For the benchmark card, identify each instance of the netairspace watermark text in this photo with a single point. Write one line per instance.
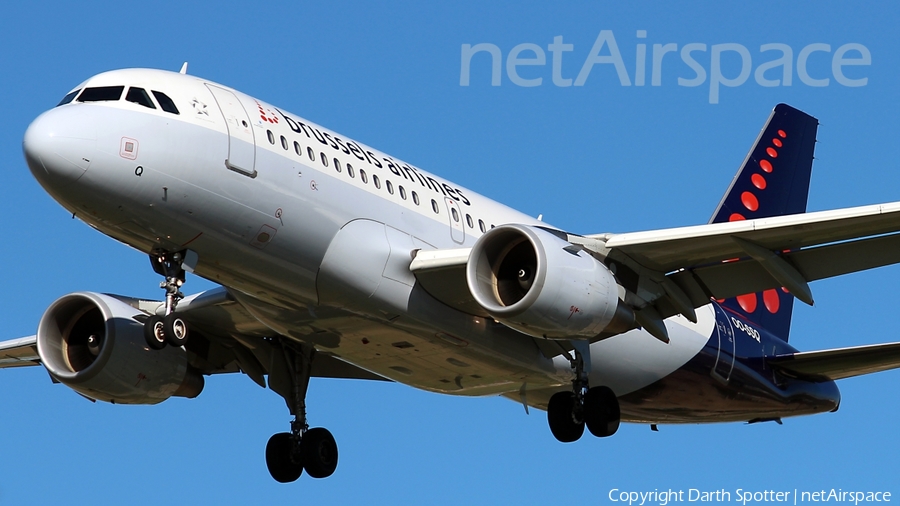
(720, 65)
(747, 497)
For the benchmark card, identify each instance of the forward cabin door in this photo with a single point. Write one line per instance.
(241, 143)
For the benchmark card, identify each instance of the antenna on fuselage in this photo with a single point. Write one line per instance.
(183, 69)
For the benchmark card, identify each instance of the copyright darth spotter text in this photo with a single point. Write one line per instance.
(746, 497)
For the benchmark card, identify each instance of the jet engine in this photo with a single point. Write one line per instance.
(535, 282)
(94, 344)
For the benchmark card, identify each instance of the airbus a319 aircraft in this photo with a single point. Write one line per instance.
(338, 260)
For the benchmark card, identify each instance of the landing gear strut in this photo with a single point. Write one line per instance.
(289, 453)
(171, 328)
(569, 412)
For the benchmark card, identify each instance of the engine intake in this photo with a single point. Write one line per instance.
(93, 344)
(531, 280)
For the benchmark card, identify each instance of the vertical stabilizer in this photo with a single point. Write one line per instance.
(773, 181)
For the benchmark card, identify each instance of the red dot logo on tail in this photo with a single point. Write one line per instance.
(748, 302)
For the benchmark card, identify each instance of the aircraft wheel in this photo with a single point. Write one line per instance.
(154, 333)
(601, 411)
(284, 464)
(175, 329)
(320, 453)
(564, 418)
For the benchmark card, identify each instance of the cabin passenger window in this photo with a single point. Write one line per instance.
(350, 170)
(415, 198)
(323, 158)
(469, 221)
(271, 136)
(68, 98)
(139, 96)
(376, 181)
(455, 214)
(311, 153)
(298, 149)
(284, 143)
(165, 102)
(101, 94)
(402, 192)
(363, 176)
(435, 207)
(481, 226)
(390, 187)
(337, 165)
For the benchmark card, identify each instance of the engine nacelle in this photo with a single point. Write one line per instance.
(93, 344)
(539, 284)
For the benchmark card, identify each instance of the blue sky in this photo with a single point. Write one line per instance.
(593, 158)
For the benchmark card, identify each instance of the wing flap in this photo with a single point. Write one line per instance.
(838, 363)
(724, 280)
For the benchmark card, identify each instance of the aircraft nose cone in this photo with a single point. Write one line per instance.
(59, 146)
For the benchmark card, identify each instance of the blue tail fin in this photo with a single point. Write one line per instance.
(773, 181)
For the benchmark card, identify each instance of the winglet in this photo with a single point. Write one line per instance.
(183, 68)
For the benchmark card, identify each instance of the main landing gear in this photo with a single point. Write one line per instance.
(597, 407)
(169, 329)
(289, 453)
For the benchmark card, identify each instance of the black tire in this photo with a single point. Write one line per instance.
(283, 462)
(176, 329)
(601, 411)
(154, 333)
(562, 416)
(320, 453)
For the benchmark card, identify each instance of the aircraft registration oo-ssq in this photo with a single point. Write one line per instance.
(336, 260)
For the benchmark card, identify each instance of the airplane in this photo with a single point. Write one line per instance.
(336, 260)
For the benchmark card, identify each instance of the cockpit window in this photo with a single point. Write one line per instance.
(101, 94)
(68, 98)
(139, 96)
(165, 102)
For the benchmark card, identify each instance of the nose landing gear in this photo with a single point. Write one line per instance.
(597, 407)
(170, 329)
(154, 333)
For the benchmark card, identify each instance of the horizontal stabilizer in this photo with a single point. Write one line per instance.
(838, 363)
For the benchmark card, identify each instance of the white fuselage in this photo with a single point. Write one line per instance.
(312, 232)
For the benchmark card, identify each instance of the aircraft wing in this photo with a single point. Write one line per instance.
(19, 352)
(677, 248)
(723, 260)
(681, 268)
(838, 363)
(225, 337)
